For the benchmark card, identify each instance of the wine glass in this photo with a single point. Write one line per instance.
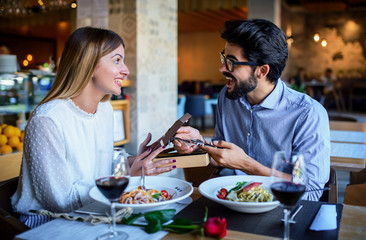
(288, 178)
(112, 187)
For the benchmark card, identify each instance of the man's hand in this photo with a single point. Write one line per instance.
(229, 155)
(186, 133)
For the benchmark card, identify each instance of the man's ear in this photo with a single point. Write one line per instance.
(262, 71)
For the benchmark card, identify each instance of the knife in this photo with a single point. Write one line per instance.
(196, 142)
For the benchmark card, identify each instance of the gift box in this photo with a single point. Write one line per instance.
(197, 158)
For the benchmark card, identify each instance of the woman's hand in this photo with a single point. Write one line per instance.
(186, 133)
(144, 157)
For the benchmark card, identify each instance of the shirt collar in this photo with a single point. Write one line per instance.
(272, 100)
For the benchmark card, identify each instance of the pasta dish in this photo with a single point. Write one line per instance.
(246, 192)
(139, 196)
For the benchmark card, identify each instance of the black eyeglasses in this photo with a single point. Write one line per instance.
(230, 64)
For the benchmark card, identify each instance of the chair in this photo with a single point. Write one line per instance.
(7, 189)
(357, 92)
(9, 223)
(355, 194)
(358, 177)
(198, 175)
(214, 113)
(195, 105)
(181, 106)
(336, 95)
(341, 118)
(331, 195)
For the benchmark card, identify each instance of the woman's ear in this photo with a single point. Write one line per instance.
(262, 71)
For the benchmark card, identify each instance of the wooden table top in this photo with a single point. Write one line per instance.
(347, 126)
(352, 226)
(10, 165)
(353, 222)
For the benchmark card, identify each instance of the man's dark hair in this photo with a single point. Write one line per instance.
(262, 42)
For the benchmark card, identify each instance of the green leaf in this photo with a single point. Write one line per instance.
(238, 186)
(153, 226)
(155, 219)
(182, 221)
(162, 215)
(178, 230)
(156, 195)
(181, 226)
(129, 220)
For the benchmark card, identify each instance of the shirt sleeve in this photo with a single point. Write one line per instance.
(312, 138)
(54, 185)
(219, 125)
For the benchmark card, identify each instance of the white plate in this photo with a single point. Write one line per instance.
(178, 188)
(211, 187)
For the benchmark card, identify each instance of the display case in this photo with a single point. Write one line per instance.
(21, 92)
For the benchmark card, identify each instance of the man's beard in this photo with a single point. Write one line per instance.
(241, 88)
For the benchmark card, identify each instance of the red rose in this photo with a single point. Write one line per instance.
(215, 227)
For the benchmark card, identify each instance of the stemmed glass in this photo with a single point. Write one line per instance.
(112, 187)
(288, 178)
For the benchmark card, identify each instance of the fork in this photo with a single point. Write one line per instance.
(143, 178)
(196, 142)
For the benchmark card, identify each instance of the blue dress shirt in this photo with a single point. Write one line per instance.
(286, 120)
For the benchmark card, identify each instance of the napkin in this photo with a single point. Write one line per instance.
(325, 219)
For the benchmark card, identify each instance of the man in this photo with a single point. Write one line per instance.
(4, 48)
(257, 114)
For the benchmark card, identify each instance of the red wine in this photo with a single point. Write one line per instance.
(112, 187)
(287, 193)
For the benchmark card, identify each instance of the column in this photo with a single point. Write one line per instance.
(92, 13)
(265, 9)
(149, 30)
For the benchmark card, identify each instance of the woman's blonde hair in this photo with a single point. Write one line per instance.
(79, 58)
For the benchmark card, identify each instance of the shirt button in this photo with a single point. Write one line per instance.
(248, 134)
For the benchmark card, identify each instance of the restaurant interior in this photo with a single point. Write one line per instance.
(172, 51)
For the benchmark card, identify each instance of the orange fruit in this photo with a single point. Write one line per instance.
(3, 140)
(3, 125)
(5, 149)
(13, 141)
(9, 131)
(17, 132)
(1, 130)
(21, 136)
(19, 147)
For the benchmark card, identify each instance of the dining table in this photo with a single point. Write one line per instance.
(348, 136)
(347, 126)
(350, 223)
(347, 156)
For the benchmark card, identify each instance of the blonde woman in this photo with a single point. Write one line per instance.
(73, 125)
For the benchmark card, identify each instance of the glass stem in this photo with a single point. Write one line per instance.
(286, 232)
(113, 212)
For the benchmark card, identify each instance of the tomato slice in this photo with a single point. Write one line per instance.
(222, 194)
(164, 193)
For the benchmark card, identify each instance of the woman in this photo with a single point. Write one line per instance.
(73, 125)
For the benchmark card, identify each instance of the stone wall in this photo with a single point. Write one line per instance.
(345, 34)
(149, 29)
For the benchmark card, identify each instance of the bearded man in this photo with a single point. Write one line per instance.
(257, 114)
